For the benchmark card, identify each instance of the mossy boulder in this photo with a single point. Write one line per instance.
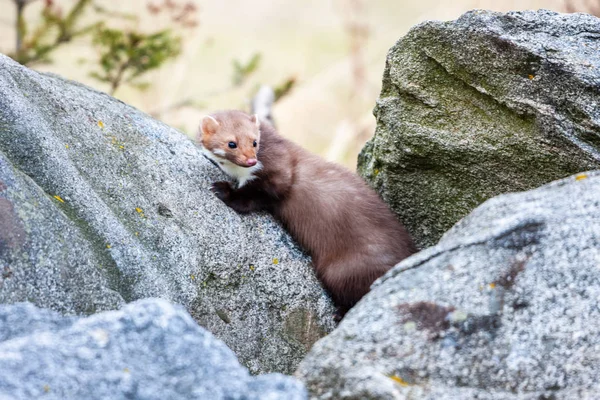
(101, 205)
(487, 104)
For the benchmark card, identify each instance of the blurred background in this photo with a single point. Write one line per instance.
(178, 60)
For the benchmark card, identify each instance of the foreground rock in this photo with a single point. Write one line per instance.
(101, 205)
(488, 104)
(148, 349)
(504, 307)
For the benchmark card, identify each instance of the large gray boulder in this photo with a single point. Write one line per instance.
(487, 104)
(102, 205)
(504, 307)
(147, 350)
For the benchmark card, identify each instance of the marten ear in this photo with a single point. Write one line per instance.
(255, 119)
(209, 125)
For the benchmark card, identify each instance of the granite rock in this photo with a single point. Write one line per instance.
(148, 349)
(488, 104)
(504, 307)
(101, 205)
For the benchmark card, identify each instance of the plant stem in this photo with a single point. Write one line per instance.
(116, 82)
(18, 25)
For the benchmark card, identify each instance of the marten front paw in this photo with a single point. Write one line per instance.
(339, 313)
(222, 190)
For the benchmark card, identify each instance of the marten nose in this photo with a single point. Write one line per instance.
(251, 162)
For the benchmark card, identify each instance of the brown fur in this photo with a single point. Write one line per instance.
(351, 234)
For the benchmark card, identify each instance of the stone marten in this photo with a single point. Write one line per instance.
(350, 233)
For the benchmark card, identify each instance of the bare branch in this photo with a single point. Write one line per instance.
(569, 7)
(587, 6)
(189, 102)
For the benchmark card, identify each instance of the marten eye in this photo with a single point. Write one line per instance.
(232, 145)
(254, 143)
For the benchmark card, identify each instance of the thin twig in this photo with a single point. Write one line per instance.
(189, 102)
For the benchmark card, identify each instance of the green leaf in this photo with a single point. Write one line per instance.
(125, 56)
(241, 72)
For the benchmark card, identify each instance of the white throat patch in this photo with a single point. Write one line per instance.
(240, 174)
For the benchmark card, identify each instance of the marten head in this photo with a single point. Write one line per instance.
(231, 136)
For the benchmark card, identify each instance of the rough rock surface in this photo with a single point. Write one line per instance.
(504, 307)
(147, 350)
(101, 205)
(487, 104)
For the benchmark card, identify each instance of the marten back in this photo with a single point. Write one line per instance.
(351, 234)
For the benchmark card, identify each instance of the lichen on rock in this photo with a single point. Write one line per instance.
(504, 307)
(149, 349)
(106, 205)
(487, 104)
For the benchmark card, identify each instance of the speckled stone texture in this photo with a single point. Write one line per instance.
(504, 307)
(487, 104)
(101, 205)
(149, 349)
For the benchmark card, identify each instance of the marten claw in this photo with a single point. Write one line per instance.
(339, 314)
(222, 190)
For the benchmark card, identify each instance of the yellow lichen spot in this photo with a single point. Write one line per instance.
(126, 370)
(137, 233)
(108, 246)
(376, 171)
(251, 267)
(57, 197)
(66, 146)
(101, 124)
(399, 380)
(410, 326)
(275, 261)
(580, 177)
(492, 285)
(530, 76)
(193, 277)
(46, 388)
